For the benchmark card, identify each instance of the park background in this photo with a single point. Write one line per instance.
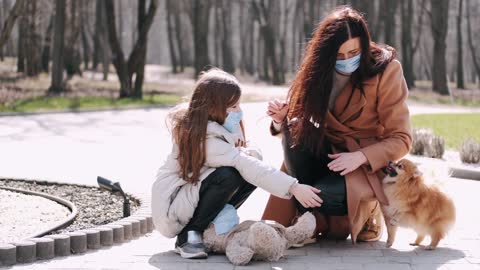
(85, 87)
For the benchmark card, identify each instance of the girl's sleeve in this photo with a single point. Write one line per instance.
(220, 153)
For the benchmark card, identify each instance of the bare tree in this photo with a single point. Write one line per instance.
(389, 21)
(136, 61)
(460, 80)
(439, 25)
(58, 48)
(170, 24)
(409, 46)
(228, 63)
(199, 17)
(263, 17)
(72, 48)
(10, 21)
(101, 51)
(471, 43)
(47, 43)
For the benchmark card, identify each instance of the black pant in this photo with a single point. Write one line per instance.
(224, 185)
(312, 169)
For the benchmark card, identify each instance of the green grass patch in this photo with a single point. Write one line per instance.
(454, 128)
(48, 103)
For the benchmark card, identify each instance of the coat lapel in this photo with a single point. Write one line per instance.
(344, 111)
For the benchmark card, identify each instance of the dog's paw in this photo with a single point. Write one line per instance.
(429, 247)
(389, 244)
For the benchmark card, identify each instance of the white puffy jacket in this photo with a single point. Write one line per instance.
(174, 200)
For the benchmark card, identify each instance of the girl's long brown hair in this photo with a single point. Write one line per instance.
(214, 92)
(310, 91)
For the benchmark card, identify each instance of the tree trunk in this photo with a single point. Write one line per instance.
(178, 35)
(2, 18)
(407, 43)
(22, 29)
(72, 51)
(200, 15)
(171, 46)
(266, 29)
(87, 50)
(471, 43)
(97, 36)
(439, 24)
(389, 23)
(217, 38)
(227, 51)
(136, 61)
(47, 44)
(460, 81)
(17, 9)
(58, 48)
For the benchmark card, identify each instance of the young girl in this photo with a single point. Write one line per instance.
(210, 165)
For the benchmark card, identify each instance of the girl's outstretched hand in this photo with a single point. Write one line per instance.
(306, 195)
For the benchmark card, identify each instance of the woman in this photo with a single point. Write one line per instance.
(346, 118)
(211, 166)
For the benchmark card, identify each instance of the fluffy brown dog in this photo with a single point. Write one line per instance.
(413, 204)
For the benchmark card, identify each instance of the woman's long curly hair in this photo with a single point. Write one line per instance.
(214, 92)
(310, 91)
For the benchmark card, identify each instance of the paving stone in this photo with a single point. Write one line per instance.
(426, 266)
(170, 266)
(78, 242)
(8, 254)
(45, 248)
(210, 266)
(26, 251)
(383, 266)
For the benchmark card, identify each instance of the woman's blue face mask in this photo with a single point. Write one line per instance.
(232, 121)
(349, 65)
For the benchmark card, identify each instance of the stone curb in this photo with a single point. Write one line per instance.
(454, 169)
(80, 241)
(465, 173)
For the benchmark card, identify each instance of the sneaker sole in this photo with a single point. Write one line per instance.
(199, 255)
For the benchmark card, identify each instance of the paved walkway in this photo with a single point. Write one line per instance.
(128, 146)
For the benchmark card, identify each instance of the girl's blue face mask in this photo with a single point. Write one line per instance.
(232, 121)
(349, 65)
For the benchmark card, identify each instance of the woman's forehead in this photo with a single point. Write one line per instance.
(351, 44)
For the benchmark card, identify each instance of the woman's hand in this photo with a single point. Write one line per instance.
(277, 110)
(346, 162)
(305, 194)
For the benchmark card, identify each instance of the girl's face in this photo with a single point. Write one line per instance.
(234, 108)
(349, 49)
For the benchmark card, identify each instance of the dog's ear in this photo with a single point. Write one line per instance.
(417, 173)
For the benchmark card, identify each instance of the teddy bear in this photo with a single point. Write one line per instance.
(259, 240)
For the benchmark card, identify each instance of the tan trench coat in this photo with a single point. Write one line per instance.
(378, 125)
